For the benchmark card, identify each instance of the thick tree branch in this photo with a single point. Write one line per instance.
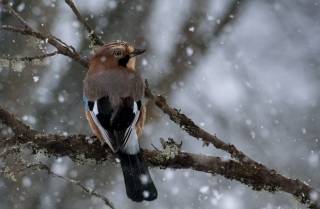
(81, 148)
(18, 127)
(77, 147)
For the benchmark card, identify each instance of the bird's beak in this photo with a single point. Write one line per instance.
(136, 52)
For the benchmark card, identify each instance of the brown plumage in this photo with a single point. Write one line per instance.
(113, 93)
(116, 83)
(107, 77)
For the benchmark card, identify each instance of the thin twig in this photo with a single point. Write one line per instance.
(77, 183)
(154, 147)
(67, 51)
(92, 33)
(32, 58)
(230, 15)
(20, 19)
(193, 129)
(28, 27)
(23, 31)
(60, 45)
(41, 166)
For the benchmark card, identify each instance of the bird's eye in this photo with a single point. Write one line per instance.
(117, 53)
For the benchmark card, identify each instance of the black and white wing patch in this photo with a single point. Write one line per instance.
(115, 124)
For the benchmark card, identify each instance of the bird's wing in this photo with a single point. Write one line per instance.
(114, 124)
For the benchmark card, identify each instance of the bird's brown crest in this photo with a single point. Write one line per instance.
(115, 55)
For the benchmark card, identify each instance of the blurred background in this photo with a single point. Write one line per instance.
(247, 71)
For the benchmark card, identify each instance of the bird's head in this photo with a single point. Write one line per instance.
(115, 55)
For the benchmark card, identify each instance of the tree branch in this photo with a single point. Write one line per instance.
(92, 33)
(78, 147)
(18, 127)
(200, 45)
(194, 130)
(63, 49)
(231, 13)
(82, 148)
(40, 166)
(32, 58)
(61, 46)
(106, 201)
(27, 26)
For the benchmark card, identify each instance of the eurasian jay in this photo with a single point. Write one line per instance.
(113, 93)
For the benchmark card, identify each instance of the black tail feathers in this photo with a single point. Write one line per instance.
(139, 185)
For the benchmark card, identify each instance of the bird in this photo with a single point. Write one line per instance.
(113, 92)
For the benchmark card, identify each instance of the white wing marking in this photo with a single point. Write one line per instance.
(103, 132)
(132, 126)
(95, 108)
(128, 132)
